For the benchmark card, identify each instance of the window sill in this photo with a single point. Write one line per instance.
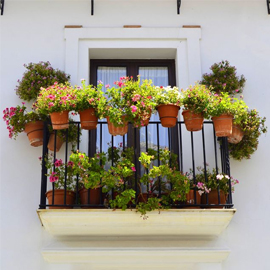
(106, 222)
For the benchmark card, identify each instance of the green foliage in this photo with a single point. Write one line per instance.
(197, 99)
(123, 200)
(150, 205)
(17, 117)
(224, 79)
(38, 75)
(168, 95)
(253, 126)
(88, 96)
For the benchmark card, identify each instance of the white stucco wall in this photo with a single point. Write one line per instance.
(33, 31)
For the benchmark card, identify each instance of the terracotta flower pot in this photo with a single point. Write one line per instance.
(213, 199)
(145, 120)
(94, 197)
(237, 135)
(113, 130)
(34, 131)
(191, 199)
(59, 198)
(88, 119)
(168, 114)
(223, 125)
(60, 120)
(193, 121)
(59, 143)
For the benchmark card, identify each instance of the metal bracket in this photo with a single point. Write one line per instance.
(268, 6)
(179, 5)
(92, 7)
(2, 3)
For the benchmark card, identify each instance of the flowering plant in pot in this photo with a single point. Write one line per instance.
(253, 125)
(168, 101)
(62, 177)
(216, 185)
(140, 98)
(195, 100)
(38, 75)
(18, 120)
(91, 171)
(90, 103)
(56, 100)
(224, 79)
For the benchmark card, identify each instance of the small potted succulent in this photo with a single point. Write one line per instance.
(224, 79)
(38, 75)
(91, 171)
(56, 100)
(168, 102)
(18, 120)
(140, 98)
(253, 126)
(195, 100)
(62, 176)
(215, 185)
(90, 103)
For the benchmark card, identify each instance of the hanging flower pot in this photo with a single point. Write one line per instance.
(144, 120)
(34, 131)
(223, 125)
(94, 196)
(213, 199)
(113, 130)
(168, 114)
(237, 135)
(59, 143)
(193, 121)
(60, 120)
(88, 119)
(59, 195)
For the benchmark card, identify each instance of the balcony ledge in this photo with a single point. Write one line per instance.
(106, 222)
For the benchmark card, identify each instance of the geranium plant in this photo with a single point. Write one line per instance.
(38, 75)
(224, 79)
(17, 117)
(55, 98)
(168, 95)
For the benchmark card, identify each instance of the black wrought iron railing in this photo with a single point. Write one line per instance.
(193, 149)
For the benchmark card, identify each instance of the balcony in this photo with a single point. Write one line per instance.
(179, 218)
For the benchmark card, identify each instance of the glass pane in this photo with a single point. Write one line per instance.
(108, 75)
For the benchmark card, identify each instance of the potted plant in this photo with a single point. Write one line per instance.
(38, 75)
(224, 79)
(73, 134)
(90, 103)
(140, 98)
(18, 120)
(168, 102)
(91, 172)
(215, 185)
(62, 177)
(56, 100)
(195, 100)
(117, 108)
(253, 126)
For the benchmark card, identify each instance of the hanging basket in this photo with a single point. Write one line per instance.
(113, 130)
(34, 131)
(223, 125)
(193, 121)
(59, 195)
(237, 135)
(168, 114)
(88, 119)
(59, 143)
(60, 120)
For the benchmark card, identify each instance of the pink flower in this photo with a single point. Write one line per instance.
(58, 162)
(107, 85)
(133, 169)
(53, 177)
(134, 108)
(50, 104)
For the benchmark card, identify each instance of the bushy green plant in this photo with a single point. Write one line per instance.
(197, 98)
(38, 75)
(55, 98)
(17, 117)
(224, 79)
(88, 96)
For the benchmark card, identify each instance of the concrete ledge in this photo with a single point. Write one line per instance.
(106, 222)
